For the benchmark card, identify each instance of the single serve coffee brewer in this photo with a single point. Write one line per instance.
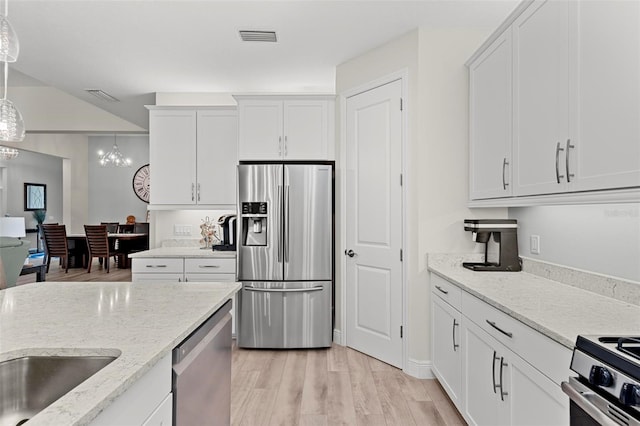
(501, 251)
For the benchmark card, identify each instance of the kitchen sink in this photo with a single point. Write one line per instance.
(30, 384)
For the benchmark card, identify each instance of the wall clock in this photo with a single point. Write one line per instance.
(141, 183)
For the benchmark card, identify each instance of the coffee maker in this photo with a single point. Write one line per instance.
(228, 224)
(501, 251)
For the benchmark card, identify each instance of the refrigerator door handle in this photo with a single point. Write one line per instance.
(287, 220)
(283, 290)
(281, 219)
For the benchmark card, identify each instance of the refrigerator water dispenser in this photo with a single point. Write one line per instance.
(254, 226)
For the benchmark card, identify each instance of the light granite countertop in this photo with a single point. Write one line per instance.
(141, 323)
(186, 252)
(557, 310)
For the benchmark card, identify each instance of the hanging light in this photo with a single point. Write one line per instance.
(7, 153)
(11, 123)
(113, 158)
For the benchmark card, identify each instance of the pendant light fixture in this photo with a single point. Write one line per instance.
(113, 158)
(11, 123)
(7, 153)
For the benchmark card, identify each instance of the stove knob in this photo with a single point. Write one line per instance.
(630, 394)
(600, 376)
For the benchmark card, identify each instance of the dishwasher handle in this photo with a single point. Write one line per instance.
(185, 356)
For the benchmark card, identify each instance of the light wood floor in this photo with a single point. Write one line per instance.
(336, 386)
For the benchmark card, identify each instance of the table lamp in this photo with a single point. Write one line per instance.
(12, 227)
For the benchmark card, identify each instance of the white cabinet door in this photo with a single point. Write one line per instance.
(447, 360)
(260, 130)
(172, 156)
(540, 38)
(163, 415)
(480, 370)
(606, 115)
(305, 130)
(491, 121)
(217, 157)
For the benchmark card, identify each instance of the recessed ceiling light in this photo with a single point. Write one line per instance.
(101, 94)
(269, 36)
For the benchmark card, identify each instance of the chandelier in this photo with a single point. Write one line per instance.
(7, 153)
(11, 123)
(113, 158)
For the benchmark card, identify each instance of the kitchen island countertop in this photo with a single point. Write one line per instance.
(185, 252)
(143, 323)
(559, 311)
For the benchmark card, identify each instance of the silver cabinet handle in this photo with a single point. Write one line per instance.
(455, 345)
(156, 266)
(493, 370)
(285, 146)
(283, 290)
(442, 290)
(279, 146)
(566, 157)
(502, 392)
(193, 190)
(208, 266)
(505, 163)
(198, 192)
(558, 175)
(506, 333)
(582, 399)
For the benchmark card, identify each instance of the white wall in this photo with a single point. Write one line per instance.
(111, 196)
(598, 238)
(436, 156)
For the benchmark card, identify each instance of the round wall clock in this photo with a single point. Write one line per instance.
(141, 183)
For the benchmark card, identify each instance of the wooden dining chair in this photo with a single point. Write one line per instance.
(112, 227)
(98, 244)
(126, 228)
(55, 238)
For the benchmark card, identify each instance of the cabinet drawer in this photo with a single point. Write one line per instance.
(158, 265)
(210, 266)
(548, 356)
(446, 290)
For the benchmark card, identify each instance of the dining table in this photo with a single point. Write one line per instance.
(126, 243)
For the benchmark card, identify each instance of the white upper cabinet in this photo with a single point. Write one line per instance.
(193, 156)
(490, 120)
(541, 83)
(291, 128)
(605, 115)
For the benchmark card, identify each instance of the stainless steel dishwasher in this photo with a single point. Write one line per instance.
(202, 373)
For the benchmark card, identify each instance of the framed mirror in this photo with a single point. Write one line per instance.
(35, 196)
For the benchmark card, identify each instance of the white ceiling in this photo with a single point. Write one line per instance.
(132, 49)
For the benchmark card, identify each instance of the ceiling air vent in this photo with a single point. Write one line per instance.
(101, 94)
(258, 36)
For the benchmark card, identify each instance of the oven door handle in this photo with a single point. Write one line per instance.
(582, 400)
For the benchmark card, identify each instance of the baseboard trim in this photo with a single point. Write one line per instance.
(337, 337)
(419, 369)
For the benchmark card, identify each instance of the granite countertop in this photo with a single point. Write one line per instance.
(141, 323)
(187, 252)
(557, 310)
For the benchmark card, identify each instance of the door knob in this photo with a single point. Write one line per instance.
(350, 253)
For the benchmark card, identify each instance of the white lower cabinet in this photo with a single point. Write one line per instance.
(495, 369)
(163, 416)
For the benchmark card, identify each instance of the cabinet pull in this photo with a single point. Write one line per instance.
(193, 190)
(493, 371)
(502, 392)
(285, 146)
(156, 266)
(279, 146)
(208, 266)
(505, 163)
(558, 175)
(455, 346)
(493, 324)
(442, 290)
(566, 157)
(198, 192)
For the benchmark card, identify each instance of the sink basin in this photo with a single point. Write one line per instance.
(30, 384)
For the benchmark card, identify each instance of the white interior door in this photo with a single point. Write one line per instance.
(374, 223)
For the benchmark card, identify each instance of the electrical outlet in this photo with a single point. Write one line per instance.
(534, 244)
(182, 230)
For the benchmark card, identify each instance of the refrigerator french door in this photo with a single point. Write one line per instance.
(285, 255)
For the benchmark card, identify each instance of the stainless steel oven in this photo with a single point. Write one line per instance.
(607, 388)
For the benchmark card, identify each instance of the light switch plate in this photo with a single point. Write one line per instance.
(534, 244)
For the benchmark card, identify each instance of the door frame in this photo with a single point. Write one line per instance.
(402, 75)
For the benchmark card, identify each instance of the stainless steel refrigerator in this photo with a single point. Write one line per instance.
(285, 255)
